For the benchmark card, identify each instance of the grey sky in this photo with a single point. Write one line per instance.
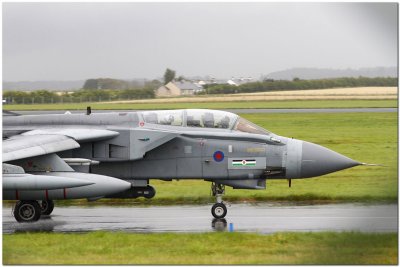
(71, 41)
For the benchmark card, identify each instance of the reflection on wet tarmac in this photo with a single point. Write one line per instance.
(261, 217)
(46, 224)
(219, 225)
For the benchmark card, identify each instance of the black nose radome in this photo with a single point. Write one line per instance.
(317, 160)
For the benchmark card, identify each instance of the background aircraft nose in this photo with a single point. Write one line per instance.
(317, 160)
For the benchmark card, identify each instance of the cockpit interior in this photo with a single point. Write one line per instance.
(202, 118)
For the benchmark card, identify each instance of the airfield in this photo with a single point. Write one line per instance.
(264, 218)
(349, 217)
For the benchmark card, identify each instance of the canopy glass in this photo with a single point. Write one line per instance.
(202, 118)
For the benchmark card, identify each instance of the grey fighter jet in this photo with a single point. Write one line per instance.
(114, 155)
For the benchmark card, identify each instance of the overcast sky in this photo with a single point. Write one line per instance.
(73, 41)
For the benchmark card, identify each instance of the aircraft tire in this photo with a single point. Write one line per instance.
(47, 207)
(219, 210)
(27, 211)
(152, 192)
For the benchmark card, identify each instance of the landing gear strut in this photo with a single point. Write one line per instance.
(218, 210)
(27, 211)
(47, 207)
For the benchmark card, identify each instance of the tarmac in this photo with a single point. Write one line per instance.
(260, 218)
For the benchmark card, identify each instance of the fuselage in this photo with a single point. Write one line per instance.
(187, 144)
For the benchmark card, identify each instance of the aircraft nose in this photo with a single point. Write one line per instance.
(317, 160)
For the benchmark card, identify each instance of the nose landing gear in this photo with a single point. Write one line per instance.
(218, 210)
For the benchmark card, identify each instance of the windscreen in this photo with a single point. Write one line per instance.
(248, 127)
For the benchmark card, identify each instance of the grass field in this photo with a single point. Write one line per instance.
(370, 138)
(205, 248)
(211, 105)
(366, 137)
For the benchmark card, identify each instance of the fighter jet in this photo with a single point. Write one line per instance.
(115, 155)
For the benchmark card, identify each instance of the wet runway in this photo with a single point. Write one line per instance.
(237, 111)
(261, 218)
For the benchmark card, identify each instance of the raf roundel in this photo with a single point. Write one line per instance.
(218, 156)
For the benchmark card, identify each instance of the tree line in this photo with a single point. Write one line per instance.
(298, 84)
(83, 95)
(93, 93)
(94, 90)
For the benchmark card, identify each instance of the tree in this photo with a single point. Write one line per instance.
(154, 84)
(169, 75)
(105, 83)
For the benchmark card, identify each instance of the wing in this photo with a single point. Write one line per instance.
(47, 141)
(80, 135)
(20, 147)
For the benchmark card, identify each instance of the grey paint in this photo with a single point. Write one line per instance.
(97, 186)
(45, 163)
(129, 149)
(29, 146)
(245, 184)
(82, 135)
(317, 160)
(293, 159)
(8, 168)
(23, 182)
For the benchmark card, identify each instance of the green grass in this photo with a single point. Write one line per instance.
(205, 248)
(212, 105)
(365, 137)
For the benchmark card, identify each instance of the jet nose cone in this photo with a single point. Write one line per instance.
(318, 160)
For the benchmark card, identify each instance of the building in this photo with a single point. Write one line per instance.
(239, 81)
(178, 88)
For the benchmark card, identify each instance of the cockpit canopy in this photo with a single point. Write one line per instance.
(202, 118)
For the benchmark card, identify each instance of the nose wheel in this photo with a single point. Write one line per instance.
(218, 210)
